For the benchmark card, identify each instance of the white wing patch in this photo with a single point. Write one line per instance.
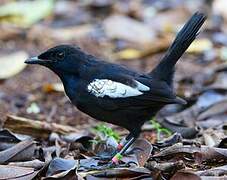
(106, 87)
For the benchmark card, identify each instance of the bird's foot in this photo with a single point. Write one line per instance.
(117, 158)
(110, 165)
(113, 163)
(106, 156)
(103, 166)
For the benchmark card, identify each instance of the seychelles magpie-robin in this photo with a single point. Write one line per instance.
(113, 93)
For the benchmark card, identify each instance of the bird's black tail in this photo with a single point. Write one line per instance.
(165, 69)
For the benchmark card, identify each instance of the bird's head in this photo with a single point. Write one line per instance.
(60, 59)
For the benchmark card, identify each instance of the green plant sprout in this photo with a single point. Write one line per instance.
(104, 132)
(159, 129)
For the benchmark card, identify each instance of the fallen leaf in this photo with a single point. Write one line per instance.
(120, 173)
(164, 170)
(18, 173)
(36, 164)
(185, 175)
(62, 168)
(25, 13)
(175, 138)
(128, 54)
(7, 139)
(40, 129)
(122, 27)
(199, 46)
(218, 8)
(219, 38)
(131, 53)
(142, 150)
(223, 54)
(70, 33)
(60, 34)
(83, 137)
(210, 155)
(185, 130)
(168, 20)
(10, 32)
(209, 98)
(12, 64)
(59, 165)
(215, 109)
(220, 82)
(212, 137)
(24, 150)
(217, 121)
(203, 155)
(216, 171)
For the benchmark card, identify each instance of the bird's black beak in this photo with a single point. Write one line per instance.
(33, 60)
(36, 60)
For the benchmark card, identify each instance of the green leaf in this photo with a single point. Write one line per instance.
(102, 129)
(159, 129)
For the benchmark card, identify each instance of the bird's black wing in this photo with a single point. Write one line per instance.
(114, 91)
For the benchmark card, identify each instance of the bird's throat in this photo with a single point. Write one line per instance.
(70, 83)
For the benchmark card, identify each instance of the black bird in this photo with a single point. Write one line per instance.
(113, 93)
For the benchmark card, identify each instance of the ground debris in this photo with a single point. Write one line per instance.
(34, 128)
(43, 136)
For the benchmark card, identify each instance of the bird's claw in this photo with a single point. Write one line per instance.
(111, 165)
(104, 166)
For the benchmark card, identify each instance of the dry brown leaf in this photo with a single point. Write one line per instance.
(180, 175)
(144, 151)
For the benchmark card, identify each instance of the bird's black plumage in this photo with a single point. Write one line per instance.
(113, 93)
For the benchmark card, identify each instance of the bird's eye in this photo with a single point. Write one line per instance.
(60, 55)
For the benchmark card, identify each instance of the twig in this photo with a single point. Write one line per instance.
(37, 129)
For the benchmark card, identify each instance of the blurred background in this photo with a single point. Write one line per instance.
(133, 33)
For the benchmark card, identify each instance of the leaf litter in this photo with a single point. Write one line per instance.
(42, 135)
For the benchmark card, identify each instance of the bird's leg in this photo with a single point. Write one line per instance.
(118, 156)
(123, 142)
(118, 149)
(120, 145)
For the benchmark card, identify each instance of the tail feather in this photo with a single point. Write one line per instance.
(165, 69)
